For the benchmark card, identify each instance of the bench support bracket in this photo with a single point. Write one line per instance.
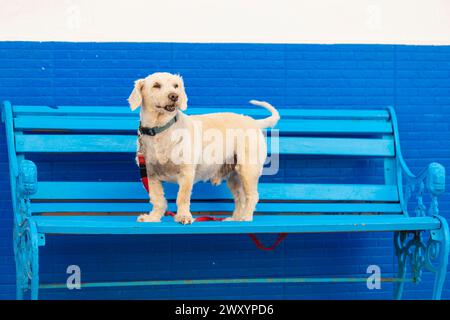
(423, 251)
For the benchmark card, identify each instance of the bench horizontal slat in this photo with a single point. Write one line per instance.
(246, 109)
(74, 110)
(281, 207)
(127, 143)
(301, 113)
(260, 224)
(87, 123)
(114, 124)
(76, 143)
(337, 146)
(204, 191)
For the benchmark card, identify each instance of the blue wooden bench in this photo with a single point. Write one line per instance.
(41, 208)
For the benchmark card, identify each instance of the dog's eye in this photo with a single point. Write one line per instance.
(175, 85)
(157, 85)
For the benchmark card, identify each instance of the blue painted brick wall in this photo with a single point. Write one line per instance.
(415, 79)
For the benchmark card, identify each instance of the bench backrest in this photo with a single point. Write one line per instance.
(110, 129)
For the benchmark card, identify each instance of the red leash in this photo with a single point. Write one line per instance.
(259, 245)
(198, 219)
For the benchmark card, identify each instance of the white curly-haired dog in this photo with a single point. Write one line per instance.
(185, 149)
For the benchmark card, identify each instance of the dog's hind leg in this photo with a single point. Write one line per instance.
(249, 175)
(235, 186)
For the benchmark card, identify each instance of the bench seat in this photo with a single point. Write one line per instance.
(260, 224)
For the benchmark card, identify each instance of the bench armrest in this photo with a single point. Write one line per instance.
(432, 179)
(27, 178)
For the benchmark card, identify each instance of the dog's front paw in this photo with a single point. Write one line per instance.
(184, 218)
(247, 217)
(149, 218)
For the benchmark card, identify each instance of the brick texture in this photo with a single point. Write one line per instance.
(414, 79)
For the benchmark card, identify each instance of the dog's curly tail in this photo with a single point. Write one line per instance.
(269, 121)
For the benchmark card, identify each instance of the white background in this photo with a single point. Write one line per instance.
(265, 21)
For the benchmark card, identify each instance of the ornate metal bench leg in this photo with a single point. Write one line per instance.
(19, 291)
(440, 241)
(20, 279)
(27, 260)
(399, 244)
(423, 252)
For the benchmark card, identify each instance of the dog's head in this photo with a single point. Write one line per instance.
(162, 92)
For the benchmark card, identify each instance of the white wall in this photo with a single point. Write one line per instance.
(268, 21)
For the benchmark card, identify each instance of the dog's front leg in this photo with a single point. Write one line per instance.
(185, 182)
(158, 201)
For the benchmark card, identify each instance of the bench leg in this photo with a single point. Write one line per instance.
(441, 251)
(399, 238)
(20, 279)
(430, 253)
(27, 260)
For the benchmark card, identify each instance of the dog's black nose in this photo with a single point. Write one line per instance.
(173, 97)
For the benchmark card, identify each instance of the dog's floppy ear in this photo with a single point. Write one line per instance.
(184, 99)
(183, 102)
(135, 98)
